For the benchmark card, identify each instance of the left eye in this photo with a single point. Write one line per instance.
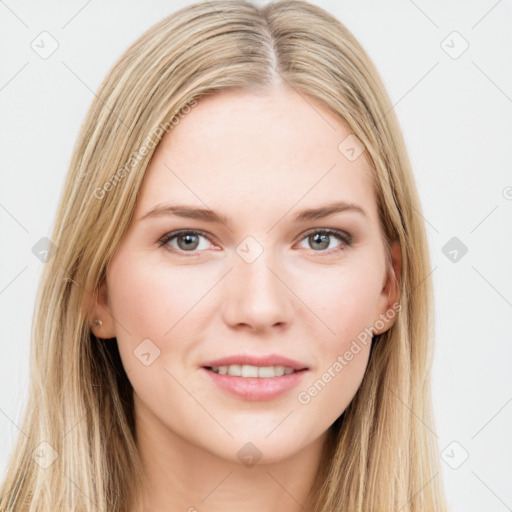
(189, 240)
(322, 238)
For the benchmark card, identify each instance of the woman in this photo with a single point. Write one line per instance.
(238, 312)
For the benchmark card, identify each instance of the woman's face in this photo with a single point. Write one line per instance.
(263, 282)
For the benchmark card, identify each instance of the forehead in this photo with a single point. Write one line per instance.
(238, 152)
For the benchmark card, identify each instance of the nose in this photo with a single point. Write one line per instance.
(256, 296)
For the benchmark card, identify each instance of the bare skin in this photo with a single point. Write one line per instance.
(258, 160)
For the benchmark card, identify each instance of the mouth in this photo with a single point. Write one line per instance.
(250, 371)
(254, 383)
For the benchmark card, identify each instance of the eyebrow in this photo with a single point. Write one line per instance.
(206, 215)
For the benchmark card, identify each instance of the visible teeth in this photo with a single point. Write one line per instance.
(270, 371)
(247, 370)
(234, 369)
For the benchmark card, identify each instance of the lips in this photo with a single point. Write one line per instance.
(262, 360)
(255, 388)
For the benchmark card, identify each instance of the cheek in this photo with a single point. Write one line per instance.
(151, 297)
(151, 302)
(345, 300)
(344, 297)
(156, 302)
(331, 389)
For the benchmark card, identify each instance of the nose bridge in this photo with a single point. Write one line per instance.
(255, 294)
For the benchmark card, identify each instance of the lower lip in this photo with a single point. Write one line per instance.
(255, 388)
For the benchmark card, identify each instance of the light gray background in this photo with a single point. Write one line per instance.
(456, 114)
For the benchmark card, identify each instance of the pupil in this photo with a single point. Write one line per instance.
(189, 239)
(321, 238)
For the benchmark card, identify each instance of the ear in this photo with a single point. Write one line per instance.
(390, 294)
(99, 309)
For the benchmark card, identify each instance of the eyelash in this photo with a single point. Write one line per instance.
(342, 236)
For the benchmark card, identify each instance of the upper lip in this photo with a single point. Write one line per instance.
(262, 360)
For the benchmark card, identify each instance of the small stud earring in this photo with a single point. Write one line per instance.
(99, 323)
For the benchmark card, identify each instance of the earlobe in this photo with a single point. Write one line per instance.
(100, 316)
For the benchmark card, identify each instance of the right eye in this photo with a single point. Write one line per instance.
(187, 240)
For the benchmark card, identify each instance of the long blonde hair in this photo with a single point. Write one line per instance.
(382, 452)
